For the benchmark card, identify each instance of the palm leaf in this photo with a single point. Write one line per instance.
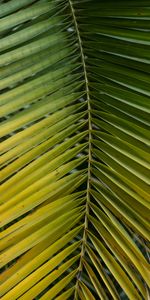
(74, 149)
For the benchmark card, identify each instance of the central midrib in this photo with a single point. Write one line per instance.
(83, 247)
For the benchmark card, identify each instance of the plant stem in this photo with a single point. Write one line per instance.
(83, 248)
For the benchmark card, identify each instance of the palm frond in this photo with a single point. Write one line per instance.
(74, 149)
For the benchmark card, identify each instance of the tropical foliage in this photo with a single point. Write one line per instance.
(74, 149)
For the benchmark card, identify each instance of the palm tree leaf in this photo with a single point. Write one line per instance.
(65, 295)
(74, 149)
(30, 261)
(85, 292)
(98, 287)
(118, 273)
(103, 274)
(60, 285)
